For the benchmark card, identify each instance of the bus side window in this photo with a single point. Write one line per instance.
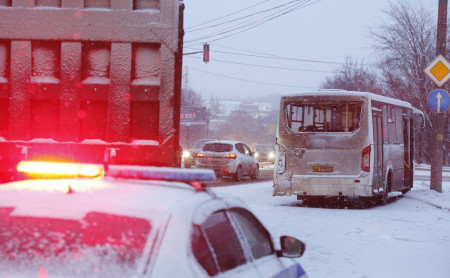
(398, 125)
(391, 126)
(385, 125)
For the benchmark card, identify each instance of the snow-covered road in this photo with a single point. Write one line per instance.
(409, 237)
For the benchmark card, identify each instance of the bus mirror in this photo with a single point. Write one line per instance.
(419, 117)
(420, 120)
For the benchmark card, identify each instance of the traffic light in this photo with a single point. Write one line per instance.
(206, 53)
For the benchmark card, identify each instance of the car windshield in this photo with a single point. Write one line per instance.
(100, 245)
(217, 147)
(265, 149)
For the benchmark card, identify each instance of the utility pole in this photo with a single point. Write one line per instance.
(438, 118)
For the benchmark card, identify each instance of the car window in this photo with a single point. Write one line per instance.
(247, 149)
(112, 245)
(240, 148)
(202, 252)
(217, 147)
(220, 236)
(258, 238)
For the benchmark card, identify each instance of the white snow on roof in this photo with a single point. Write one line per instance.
(223, 142)
(96, 80)
(43, 140)
(145, 142)
(116, 196)
(45, 79)
(368, 95)
(93, 141)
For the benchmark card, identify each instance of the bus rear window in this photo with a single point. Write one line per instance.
(323, 116)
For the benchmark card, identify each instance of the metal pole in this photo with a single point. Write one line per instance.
(438, 118)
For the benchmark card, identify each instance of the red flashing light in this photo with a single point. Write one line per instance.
(231, 155)
(59, 169)
(200, 155)
(365, 159)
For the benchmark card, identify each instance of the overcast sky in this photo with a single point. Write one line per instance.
(309, 43)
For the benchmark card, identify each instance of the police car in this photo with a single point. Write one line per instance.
(133, 221)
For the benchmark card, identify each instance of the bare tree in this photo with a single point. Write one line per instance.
(405, 45)
(352, 76)
(190, 98)
(213, 107)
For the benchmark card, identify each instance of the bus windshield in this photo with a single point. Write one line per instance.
(323, 116)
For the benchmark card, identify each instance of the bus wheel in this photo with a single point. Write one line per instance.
(384, 196)
(311, 200)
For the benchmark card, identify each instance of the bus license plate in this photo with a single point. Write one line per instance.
(321, 169)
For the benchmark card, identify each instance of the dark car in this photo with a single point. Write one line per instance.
(265, 153)
(190, 155)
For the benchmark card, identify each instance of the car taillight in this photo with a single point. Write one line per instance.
(59, 169)
(365, 159)
(200, 155)
(231, 155)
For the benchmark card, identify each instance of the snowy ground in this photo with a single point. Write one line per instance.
(409, 237)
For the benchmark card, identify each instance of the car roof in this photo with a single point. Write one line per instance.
(139, 198)
(224, 141)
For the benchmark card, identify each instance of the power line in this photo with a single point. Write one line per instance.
(253, 24)
(246, 16)
(249, 24)
(265, 66)
(233, 13)
(271, 56)
(251, 81)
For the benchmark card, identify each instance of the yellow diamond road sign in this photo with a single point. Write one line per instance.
(439, 70)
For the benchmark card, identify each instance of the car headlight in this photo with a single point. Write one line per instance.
(186, 154)
(256, 155)
(271, 155)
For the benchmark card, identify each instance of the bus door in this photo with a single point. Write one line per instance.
(408, 161)
(377, 150)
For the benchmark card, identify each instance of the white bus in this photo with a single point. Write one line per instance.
(344, 144)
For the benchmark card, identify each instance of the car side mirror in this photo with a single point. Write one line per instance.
(291, 247)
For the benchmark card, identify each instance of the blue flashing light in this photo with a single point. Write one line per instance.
(161, 173)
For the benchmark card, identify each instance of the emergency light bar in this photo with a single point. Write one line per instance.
(59, 169)
(39, 169)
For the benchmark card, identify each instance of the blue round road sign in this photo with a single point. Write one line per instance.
(438, 100)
